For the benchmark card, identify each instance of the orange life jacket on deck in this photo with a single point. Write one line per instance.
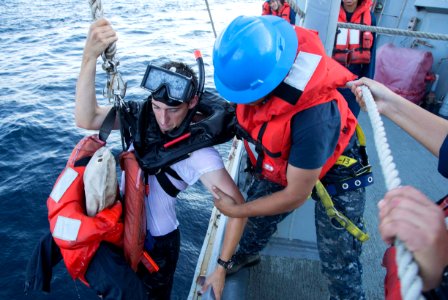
(266, 127)
(391, 281)
(78, 235)
(351, 45)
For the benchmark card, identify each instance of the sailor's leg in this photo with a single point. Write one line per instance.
(259, 230)
(111, 276)
(166, 254)
(340, 251)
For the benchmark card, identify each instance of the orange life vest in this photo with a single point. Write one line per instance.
(134, 210)
(78, 235)
(267, 126)
(351, 45)
(392, 287)
(284, 12)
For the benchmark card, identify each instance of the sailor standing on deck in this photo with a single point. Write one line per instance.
(278, 8)
(297, 129)
(353, 48)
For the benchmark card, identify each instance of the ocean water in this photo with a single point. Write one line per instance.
(41, 44)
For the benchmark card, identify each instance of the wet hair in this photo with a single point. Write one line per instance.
(184, 69)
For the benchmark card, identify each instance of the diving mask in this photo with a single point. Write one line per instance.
(167, 86)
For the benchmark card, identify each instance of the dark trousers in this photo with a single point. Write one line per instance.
(112, 278)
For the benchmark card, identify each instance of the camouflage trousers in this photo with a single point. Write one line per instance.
(339, 251)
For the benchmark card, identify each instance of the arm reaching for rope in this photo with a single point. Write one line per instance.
(408, 214)
(427, 128)
(88, 114)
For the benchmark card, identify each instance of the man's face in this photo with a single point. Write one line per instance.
(350, 2)
(169, 117)
(275, 4)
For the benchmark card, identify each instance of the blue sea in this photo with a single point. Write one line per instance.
(41, 44)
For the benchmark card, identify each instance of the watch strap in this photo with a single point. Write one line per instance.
(225, 264)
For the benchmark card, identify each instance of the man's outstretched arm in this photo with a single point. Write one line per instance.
(234, 227)
(88, 114)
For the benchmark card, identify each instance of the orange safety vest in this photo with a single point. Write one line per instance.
(134, 214)
(392, 287)
(351, 45)
(78, 235)
(268, 138)
(284, 12)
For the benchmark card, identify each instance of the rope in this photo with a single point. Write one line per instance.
(295, 8)
(97, 13)
(211, 19)
(394, 31)
(410, 282)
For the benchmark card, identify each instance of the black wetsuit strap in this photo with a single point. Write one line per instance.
(166, 183)
(108, 124)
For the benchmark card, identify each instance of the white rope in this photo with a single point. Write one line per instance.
(394, 31)
(115, 88)
(293, 5)
(97, 13)
(410, 282)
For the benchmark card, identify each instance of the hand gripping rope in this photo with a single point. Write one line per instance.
(410, 281)
(115, 86)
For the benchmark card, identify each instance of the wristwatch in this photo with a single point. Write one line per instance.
(225, 264)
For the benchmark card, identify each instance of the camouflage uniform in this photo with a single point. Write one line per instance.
(339, 251)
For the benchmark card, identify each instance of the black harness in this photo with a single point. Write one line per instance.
(156, 152)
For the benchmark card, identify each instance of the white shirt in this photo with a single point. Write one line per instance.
(161, 216)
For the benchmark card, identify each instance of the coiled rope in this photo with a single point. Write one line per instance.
(410, 282)
(394, 31)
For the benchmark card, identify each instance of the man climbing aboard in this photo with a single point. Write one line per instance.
(174, 150)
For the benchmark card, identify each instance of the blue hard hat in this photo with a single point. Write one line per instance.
(252, 57)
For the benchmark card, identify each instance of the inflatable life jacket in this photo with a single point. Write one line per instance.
(153, 157)
(77, 235)
(392, 285)
(134, 214)
(266, 127)
(155, 151)
(351, 45)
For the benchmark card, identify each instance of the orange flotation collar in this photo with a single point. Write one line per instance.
(78, 235)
